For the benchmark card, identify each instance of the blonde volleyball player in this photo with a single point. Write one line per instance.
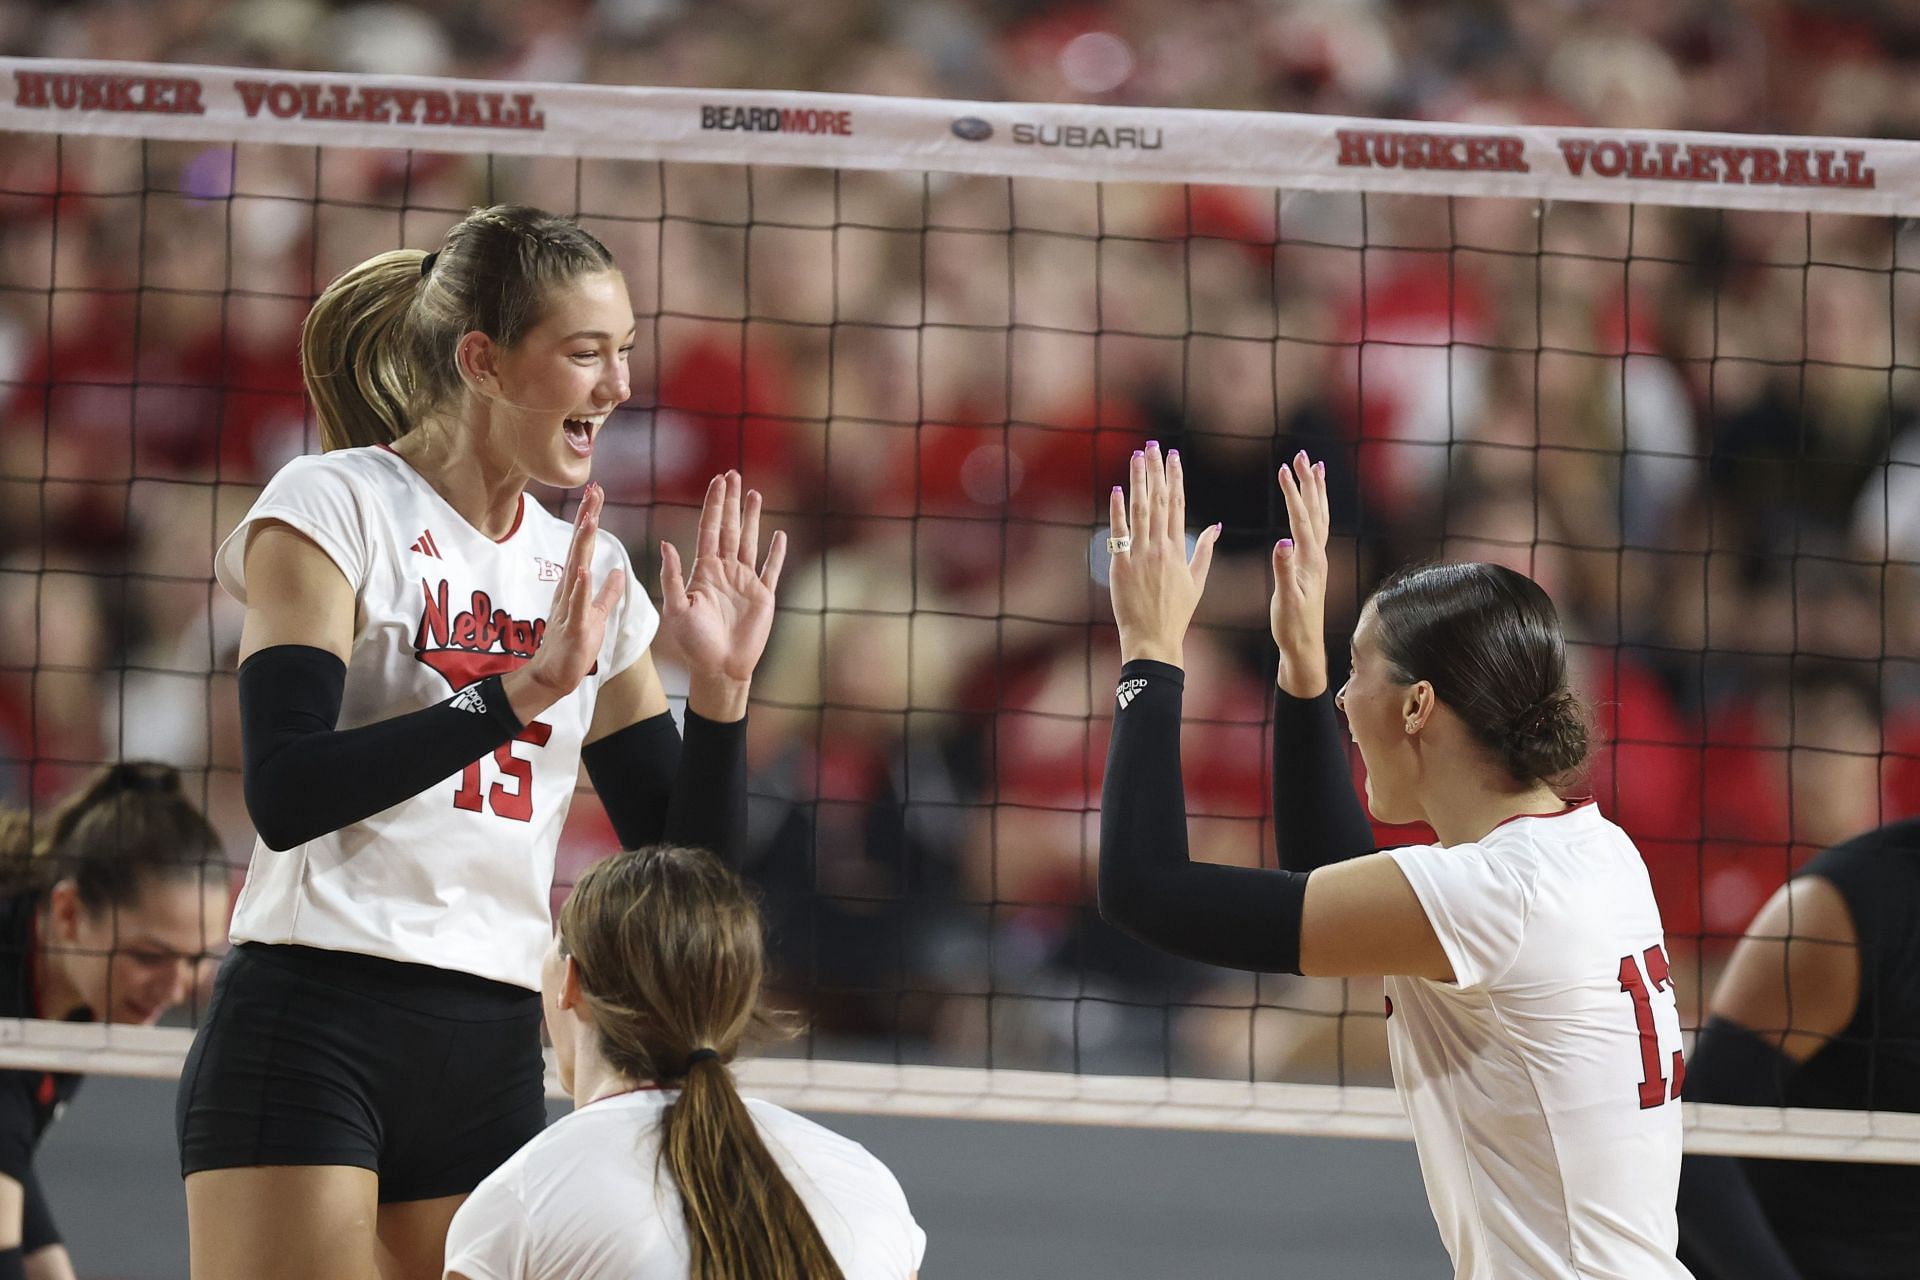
(428, 658)
(1531, 1017)
(109, 905)
(663, 1170)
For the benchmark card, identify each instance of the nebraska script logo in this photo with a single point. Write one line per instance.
(477, 642)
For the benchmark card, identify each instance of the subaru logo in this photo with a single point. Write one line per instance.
(972, 128)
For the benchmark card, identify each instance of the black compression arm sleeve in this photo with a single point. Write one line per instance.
(633, 771)
(304, 778)
(1725, 1233)
(655, 789)
(1234, 916)
(709, 806)
(13, 1264)
(1317, 819)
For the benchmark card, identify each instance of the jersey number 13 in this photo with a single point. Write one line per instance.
(1654, 1087)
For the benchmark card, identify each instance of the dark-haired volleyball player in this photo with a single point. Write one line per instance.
(1532, 1025)
(1819, 1006)
(663, 1170)
(108, 906)
(428, 658)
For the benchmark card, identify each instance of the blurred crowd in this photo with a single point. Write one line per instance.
(1695, 428)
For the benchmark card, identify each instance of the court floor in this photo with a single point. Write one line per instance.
(997, 1200)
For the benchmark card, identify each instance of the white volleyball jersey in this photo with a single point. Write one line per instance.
(1544, 1082)
(589, 1200)
(458, 876)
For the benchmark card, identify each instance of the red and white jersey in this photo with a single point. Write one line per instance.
(458, 876)
(589, 1200)
(1544, 1082)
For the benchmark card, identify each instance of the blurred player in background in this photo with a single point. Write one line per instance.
(111, 903)
(428, 658)
(663, 1170)
(1531, 1017)
(1819, 1006)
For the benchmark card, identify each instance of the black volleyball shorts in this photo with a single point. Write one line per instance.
(428, 1077)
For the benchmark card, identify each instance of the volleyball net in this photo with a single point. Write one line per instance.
(1669, 375)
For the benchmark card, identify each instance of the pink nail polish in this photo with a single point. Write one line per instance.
(1173, 455)
(1286, 542)
(1320, 468)
(1116, 488)
(1139, 453)
(1153, 444)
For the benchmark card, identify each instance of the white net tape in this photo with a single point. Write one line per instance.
(1078, 143)
(1053, 1097)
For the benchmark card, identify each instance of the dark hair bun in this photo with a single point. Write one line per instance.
(130, 822)
(1489, 641)
(1548, 739)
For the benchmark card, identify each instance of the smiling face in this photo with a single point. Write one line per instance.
(553, 389)
(1379, 709)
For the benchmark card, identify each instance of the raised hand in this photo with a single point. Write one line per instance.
(720, 617)
(1298, 613)
(1155, 586)
(576, 621)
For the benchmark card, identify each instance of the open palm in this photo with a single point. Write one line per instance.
(1298, 610)
(719, 617)
(1154, 583)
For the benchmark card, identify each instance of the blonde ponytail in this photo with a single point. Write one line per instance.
(354, 349)
(16, 850)
(743, 1217)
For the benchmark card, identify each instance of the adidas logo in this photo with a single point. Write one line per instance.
(1128, 691)
(469, 699)
(426, 546)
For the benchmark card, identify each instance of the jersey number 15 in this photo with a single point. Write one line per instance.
(516, 803)
(1654, 1088)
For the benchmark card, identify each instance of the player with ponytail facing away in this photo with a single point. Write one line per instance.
(1530, 1012)
(110, 906)
(663, 1170)
(428, 659)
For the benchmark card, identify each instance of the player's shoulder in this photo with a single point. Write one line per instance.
(1894, 846)
(1576, 845)
(819, 1149)
(587, 1142)
(1574, 865)
(775, 1118)
(366, 467)
(1536, 837)
(1876, 872)
(509, 1177)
